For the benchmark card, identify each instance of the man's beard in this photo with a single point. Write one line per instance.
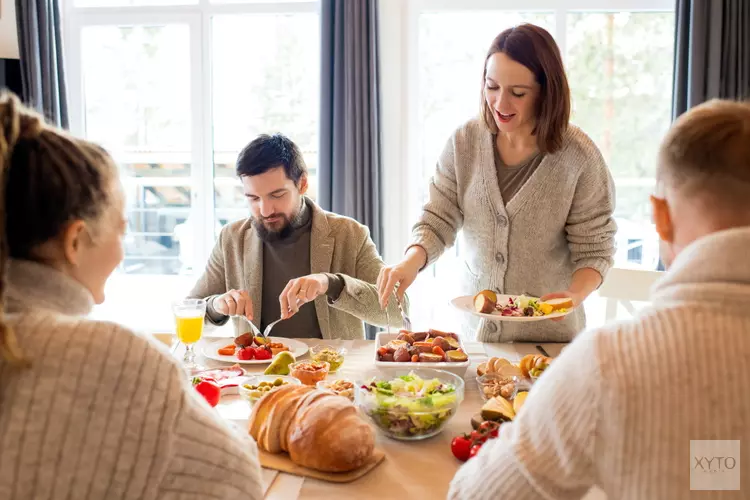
(287, 227)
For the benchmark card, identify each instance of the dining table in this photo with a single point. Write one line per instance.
(411, 469)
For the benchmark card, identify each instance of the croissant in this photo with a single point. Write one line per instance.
(318, 429)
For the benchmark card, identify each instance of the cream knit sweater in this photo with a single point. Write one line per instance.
(621, 404)
(558, 222)
(104, 413)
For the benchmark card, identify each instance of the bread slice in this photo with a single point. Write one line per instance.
(561, 303)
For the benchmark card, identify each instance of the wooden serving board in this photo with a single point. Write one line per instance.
(281, 462)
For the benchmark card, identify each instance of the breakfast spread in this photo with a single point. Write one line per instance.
(318, 429)
(209, 389)
(487, 302)
(334, 357)
(494, 384)
(467, 446)
(280, 364)
(533, 365)
(309, 372)
(254, 388)
(409, 406)
(247, 347)
(209, 383)
(341, 387)
(432, 346)
(256, 391)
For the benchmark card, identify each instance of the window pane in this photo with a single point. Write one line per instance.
(137, 104)
(272, 89)
(620, 70)
(265, 1)
(130, 3)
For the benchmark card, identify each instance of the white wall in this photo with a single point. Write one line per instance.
(8, 31)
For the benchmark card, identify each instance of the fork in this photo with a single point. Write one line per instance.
(404, 317)
(268, 327)
(256, 330)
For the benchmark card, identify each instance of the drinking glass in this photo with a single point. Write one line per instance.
(188, 316)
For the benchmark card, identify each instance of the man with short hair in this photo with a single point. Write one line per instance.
(624, 406)
(290, 259)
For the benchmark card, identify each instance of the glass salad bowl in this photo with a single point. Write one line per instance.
(409, 404)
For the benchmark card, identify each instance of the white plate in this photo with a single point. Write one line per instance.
(382, 339)
(466, 304)
(211, 351)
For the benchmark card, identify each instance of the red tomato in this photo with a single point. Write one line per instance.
(461, 446)
(209, 389)
(474, 450)
(263, 354)
(478, 437)
(490, 429)
(246, 353)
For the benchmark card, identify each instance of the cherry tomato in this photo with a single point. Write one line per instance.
(478, 437)
(474, 450)
(461, 446)
(490, 428)
(209, 389)
(247, 353)
(263, 354)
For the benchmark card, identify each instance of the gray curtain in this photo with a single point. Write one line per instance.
(712, 52)
(349, 174)
(40, 47)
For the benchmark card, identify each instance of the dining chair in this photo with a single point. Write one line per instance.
(625, 286)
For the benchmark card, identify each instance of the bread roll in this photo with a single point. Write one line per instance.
(319, 429)
(330, 436)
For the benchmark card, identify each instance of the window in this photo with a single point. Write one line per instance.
(619, 63)
(174, 93)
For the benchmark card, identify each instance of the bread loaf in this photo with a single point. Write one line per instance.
(320, 430)
(330, 436)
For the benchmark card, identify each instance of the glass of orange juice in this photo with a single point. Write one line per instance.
(188, 317)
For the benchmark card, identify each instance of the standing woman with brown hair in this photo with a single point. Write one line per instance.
(89, 409)
(530, 191)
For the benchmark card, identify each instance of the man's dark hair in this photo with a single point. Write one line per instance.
(267, 152)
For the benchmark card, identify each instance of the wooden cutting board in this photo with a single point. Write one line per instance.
(281, 462)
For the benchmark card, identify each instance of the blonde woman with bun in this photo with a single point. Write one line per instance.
(89, 409)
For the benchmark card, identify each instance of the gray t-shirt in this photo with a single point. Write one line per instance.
(512, 178)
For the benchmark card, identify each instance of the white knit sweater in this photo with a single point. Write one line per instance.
(104, 413)
(621, 404)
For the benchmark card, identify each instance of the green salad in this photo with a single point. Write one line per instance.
(409, 406)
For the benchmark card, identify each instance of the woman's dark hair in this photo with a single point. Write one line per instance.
(535, 48)
(47, 180)
(267, 152)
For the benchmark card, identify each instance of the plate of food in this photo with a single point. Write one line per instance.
(520, 308)
(249, 350)
(428, 349)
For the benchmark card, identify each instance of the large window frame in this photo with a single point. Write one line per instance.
(150, 295)
(198, 19)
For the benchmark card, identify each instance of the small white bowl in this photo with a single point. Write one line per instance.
(251, 398)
